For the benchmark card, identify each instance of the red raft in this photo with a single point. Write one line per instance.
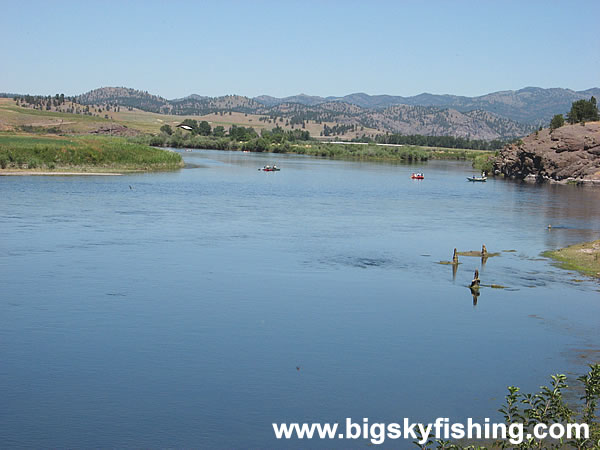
(417, 176)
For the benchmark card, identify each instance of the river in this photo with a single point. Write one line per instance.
(195, 308)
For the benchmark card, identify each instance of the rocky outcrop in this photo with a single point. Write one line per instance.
(569, 153)
(116, 130)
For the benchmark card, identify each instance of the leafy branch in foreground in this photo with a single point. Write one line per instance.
(548, 406)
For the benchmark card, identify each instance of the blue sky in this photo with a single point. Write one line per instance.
(283, 48)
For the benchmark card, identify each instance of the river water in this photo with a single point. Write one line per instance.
(195, 308)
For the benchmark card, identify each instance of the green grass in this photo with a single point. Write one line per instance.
(371, 152)
(362, 152)
(405, 153)
(584, 258)
(82, 152)
(485, 162)
(56, 114)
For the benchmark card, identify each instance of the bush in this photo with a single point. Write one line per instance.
(33, 163)
(157, 141)
(557, 122)
(583, 110)
(548, 406)
(484, 162)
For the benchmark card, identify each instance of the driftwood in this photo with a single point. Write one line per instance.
(455, 257)
(475, 287)
(475, 293)
(476, 281)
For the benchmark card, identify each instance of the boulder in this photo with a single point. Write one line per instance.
(569, 153)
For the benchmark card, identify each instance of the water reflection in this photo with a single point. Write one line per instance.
(475, 294)
(200, 290)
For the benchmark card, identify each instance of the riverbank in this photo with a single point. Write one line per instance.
(17, 173)
(371, 152)
(584, 258)
(348, 151)
(568, 154)
(27, 154)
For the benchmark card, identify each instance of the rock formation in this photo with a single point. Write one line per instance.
(569, 153)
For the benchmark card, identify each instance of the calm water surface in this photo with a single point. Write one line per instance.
(174, 313)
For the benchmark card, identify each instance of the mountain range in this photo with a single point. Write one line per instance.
(529, 105)
(498, 115)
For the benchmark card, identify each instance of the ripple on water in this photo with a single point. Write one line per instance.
(362, 262)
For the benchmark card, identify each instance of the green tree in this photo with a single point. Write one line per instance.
(204, 128)
(583, 110)
(166, 129)
(192, 124)
(219, 131)
(241, 133)
(557, 122)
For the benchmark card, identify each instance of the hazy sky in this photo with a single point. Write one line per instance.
(283, 47)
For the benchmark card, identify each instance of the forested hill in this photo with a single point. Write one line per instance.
(121, 96)
(401, 118)
(531, 105)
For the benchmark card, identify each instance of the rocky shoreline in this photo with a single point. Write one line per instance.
(569, 154)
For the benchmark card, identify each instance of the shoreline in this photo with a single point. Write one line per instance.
(17, 173)
(532, 179)
(583, 257)
(409, 154)
(33, 155)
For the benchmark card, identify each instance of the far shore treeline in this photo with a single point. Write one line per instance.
(439, 141)
(201, 136)
(31, 152)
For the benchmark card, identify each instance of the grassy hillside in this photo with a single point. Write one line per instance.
(13, 118)
(407, 119)
(530, 105)
(96, 153)
(32, 136)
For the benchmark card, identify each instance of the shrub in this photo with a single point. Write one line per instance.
(583, 110)
(557, 122)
